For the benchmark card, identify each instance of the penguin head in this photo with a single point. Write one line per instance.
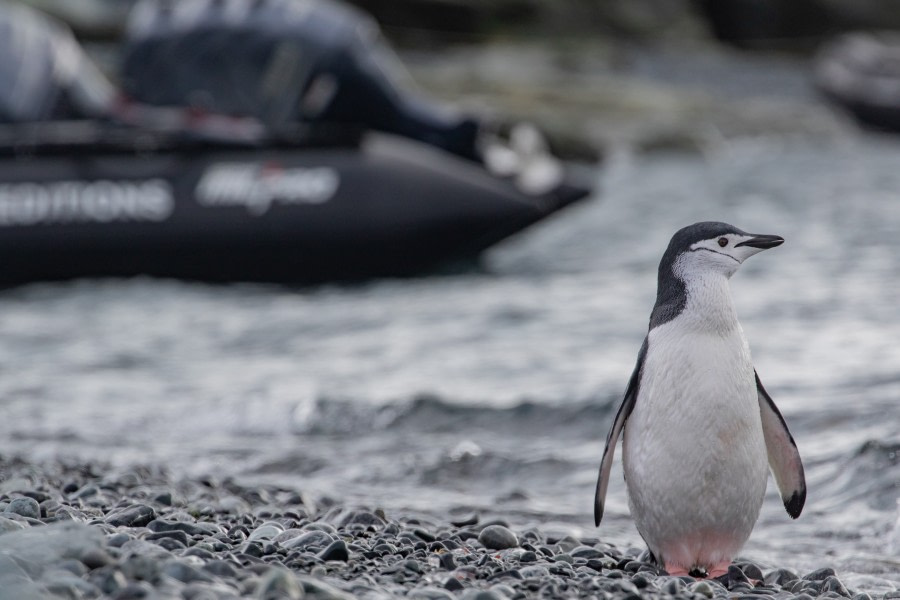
(711, 247)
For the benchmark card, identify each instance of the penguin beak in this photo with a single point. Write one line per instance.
(762, 242)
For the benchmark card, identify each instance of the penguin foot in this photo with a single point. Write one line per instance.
(717, 570)
(677, 571)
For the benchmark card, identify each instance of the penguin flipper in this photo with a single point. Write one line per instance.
(784, 458)
(618, 425)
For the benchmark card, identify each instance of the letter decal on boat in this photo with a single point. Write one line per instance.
(257, 186)
(101, 201)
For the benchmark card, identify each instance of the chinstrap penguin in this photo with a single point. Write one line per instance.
(700, 431)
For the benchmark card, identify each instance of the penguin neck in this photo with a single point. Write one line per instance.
(708, 304)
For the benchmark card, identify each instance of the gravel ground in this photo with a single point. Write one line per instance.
(83, 531)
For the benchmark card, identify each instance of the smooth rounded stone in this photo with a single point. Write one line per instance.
(412, 565)
(780, 577)
(537, 571)
(144, 568)
(279, 584)
(453, 584)
(267, 531)
(26, 507)
(288, 534)
(703, 588)
(326, 527)
(430, 593)
(833, 584)
(94, 558)
(528, 557)
(862, 596)
(108, 579)
(498, 537)
(170, 544)
(359, 517)
(321, 590)
(75, 567)
(220, 568)
(164, 498)
(892, 595)
(158, 525)
(137, 590)
(175, 535)
(7, 525)
(446, 560)
(751, 571)
(66, 585)
(337, 550)
(586, 552)
(136, 515)
(184, 573)
(563, 558)
(310, 539)
(117, 540)
(465, 521)
(820, 574)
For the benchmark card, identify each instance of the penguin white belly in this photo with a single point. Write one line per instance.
(694, 454)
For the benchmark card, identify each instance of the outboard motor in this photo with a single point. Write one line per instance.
(282, 62)
(44, 73)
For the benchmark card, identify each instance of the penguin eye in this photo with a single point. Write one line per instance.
(723, 242)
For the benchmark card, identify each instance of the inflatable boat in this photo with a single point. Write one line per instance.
(250, 141)
(860, 72)
(84, 199)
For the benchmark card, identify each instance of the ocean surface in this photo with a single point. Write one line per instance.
(492, 391)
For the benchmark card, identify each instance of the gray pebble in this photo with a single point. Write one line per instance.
(10, 525)
(337, 550)
(94, 558)
(430, 593)
(310, 539)
(534, 571)
(833, 584)
(453, 584)
(137, 515)
(184, 573)
(780, 577)
(267, 531)
(497, 537)
(819, 574)
(26, 507)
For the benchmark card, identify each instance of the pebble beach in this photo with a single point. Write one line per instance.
(88, 531)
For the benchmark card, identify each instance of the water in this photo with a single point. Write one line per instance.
(492, 392)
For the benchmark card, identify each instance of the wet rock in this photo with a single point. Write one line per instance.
(279, 584)
(189, 528)
(26, 507)
(453, 584)
(833, 584)
(703, 588)
(266, 531)
(310, 539)
(184, 572)
(320, 590)
(497, 537)
(780, 577)
(819, 574)
(94, 558)
(137, 515)
(10, 525)
(337, 550)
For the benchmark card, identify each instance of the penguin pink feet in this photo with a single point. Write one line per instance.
(716, 570)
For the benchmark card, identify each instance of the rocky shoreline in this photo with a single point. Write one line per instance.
(72, 530)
